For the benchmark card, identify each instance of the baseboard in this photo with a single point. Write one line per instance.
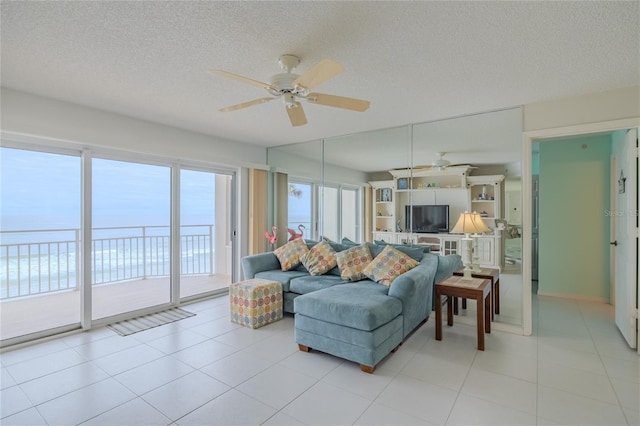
(595, 299)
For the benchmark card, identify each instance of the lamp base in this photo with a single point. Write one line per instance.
(475, 267)
(466, 273)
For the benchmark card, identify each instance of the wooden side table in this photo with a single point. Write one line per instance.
(476, 288)
(492, 274)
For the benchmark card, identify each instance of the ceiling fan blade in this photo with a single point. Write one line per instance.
(296, 115)
(246, 104)
(322, 71)
(339, 101)
(237, 77)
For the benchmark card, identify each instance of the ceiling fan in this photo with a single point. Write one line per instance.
(440, 163)
(291, 87)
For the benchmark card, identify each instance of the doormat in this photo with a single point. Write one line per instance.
(145, 322)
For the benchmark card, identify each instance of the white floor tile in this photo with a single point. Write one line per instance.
(12, 401)
(442, 372)
(503, 390)
(84, 337)
(177, 341)
(276, 386)
(627, 391)
(311, 406)
(183, 395)
(232, 408)
(106, 346)
(135, 412)
(418, 398)
(83, 404)
(47, 364)
(53, 385)
(236, 368)
(153, 374)
(32, 352)
(587, 361)
(6, 381)
(469, 410)
(315, 364)
(349, 377)
(29, 417)
(622, 368)
(518, 366)
(204, 353)
(633, 416)
(282, 419)
(215, 328)
(127, 359)
(274, 348)
(378, 414)
(570, 409)
(578, 382)
(243, 337)
(158, 332)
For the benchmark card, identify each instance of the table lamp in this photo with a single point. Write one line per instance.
(481, 229)
(467, 225)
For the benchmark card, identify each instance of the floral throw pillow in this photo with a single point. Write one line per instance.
(353, 261)
(320, 259)
(290, 254)
(388, 265)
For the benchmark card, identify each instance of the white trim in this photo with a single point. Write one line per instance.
(527, 145)
(596, 299)
(175, 240)
(86, 228)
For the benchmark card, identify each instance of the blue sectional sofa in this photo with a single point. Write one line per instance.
(360, 321)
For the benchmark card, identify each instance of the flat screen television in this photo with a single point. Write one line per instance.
(427, 219)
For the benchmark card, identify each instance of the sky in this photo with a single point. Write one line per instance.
(42, 191)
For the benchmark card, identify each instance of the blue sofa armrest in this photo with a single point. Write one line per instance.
(447, 265)
(255, 263)
(415, 290)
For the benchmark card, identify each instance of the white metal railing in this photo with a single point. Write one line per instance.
(43, 261)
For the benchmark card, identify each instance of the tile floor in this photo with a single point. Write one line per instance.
(575, 370)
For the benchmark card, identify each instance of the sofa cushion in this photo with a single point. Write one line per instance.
(388, 265)
(320, 259)
(363, 307)
(414, 252)
(283, 277)
(348, 243)
(308, 283)
(353, 261)
(290, 254)
(447, 265)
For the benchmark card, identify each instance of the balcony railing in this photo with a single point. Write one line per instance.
(44, 261)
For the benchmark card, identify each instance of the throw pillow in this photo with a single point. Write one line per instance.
(348, 243)
(388, 265)
(353, 261)
(290, 254)
(320, 259)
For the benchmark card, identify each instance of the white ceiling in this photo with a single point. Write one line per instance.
(415, 61)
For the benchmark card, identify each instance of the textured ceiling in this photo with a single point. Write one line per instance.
(415, 61)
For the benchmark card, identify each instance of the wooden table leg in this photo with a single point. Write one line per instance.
(449, 311)
(492, 290)
(480, 322)
(496, 296)
(455, 305)
(438, 316)
(464, 303)
(487, 313)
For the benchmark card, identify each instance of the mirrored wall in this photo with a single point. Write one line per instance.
(379, 185)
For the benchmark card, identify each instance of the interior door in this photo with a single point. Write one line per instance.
(625, 243)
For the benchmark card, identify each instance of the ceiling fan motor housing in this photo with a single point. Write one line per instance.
(283, 82)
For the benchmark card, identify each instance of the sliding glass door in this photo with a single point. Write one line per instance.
(205, 232)
(130, 248)
(39, 241)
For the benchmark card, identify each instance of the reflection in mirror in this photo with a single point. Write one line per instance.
(472, 163)
(374, 186)
(296, 173)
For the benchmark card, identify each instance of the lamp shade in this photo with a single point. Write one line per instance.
(482, 228)
(468, 223)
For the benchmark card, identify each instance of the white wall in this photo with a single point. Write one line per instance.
(592, 108)
(38, 116)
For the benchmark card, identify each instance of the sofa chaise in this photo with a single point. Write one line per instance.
(360, 321)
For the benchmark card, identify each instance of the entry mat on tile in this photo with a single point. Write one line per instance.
(145, 322)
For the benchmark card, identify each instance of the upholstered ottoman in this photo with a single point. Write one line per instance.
(358, 322)
(255, 302)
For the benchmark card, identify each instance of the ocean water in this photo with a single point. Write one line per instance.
(39, 262)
